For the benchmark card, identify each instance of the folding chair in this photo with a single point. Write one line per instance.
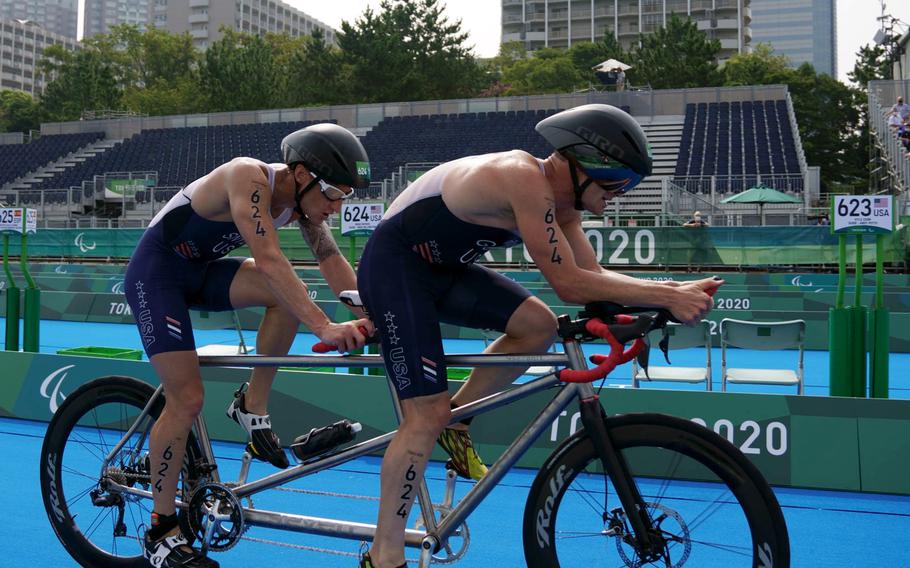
(219, 320)
(681, 337)
(764, 336)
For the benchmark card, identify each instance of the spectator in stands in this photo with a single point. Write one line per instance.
(824, 220)
(696, 221)
(894, 120)
(620, 79)
(180, 263)
(901, 109)
(903, 134)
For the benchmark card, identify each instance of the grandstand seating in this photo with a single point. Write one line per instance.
(398, 140)
(180, 155)
(735, 141)
(19, 159)
(746, 138)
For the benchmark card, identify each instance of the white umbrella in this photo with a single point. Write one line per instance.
(610, 65)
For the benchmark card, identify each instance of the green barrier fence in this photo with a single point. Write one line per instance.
(801, 441)
(615, 246)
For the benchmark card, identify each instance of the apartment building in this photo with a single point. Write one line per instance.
(22, 45)
(101, 15)
(204, 18)
(560, 23)
(56, 16)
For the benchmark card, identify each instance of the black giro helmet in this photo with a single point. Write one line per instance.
(329, 151)
(606, 142)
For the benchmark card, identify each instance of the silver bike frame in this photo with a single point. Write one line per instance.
(436, 534)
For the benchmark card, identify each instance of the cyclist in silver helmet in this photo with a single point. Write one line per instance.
(181, 263)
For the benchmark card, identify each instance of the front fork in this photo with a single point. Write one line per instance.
(614, 464)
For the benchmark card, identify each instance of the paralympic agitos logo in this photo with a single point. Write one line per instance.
(79, 241)
(50, 387)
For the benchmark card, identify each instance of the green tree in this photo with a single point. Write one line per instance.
(157, 70)
(408, 51)
(831, 126)
(84, 79)
(761, 67)
(317, 74)
(240, 72)
(550, 70)
(871, 64)
(676, 56)
(19, 112)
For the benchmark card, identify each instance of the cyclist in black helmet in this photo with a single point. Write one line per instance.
(180, 263)
(418, 270)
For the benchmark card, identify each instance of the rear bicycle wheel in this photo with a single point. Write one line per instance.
(99, 526)
(709, 506)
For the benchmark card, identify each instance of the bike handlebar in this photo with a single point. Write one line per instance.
(321, 347)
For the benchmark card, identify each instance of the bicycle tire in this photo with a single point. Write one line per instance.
(648, 442)
(85, 405)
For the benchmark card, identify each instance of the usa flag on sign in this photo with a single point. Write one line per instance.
(376, 209)
(879, 202)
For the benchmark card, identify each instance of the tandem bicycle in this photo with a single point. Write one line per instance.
(632, 490)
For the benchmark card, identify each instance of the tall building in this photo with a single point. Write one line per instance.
(22, 45)
(204, 18)
(56, 16)
(101, 15)
(803, 30)
(560, 23)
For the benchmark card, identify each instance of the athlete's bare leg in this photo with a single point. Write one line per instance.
(531, 329)
(183, 392)
(276, 331)
(402, 470)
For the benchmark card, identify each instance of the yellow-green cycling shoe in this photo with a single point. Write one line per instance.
(465, 461)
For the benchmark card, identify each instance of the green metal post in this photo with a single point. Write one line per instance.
(839, 332)
(880, 327)
(31, 315)
(12, 302)
(858, 340)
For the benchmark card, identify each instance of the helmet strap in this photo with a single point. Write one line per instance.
(298, 194)
(579, 189)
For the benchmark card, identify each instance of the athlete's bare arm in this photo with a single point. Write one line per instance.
(567, 262)
(250, 201)
(336, 270)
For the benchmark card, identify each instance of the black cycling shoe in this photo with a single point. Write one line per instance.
(264, 444)
(174, 552)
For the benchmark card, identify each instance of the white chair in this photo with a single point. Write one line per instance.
(681, 337)
(219, 320)
(764, 336)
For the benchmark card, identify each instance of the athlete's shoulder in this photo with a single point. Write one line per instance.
(244, 168)
(513, 167)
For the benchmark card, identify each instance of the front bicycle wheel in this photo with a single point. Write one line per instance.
(99, 526)
(709, 506)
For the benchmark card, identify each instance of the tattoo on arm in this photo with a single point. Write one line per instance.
(254, 207)
(548, 218)
(319, 237)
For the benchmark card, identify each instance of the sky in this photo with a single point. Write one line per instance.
(856, 21)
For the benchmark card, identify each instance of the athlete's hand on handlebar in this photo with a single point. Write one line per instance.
(347, 336)
(693, 300)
